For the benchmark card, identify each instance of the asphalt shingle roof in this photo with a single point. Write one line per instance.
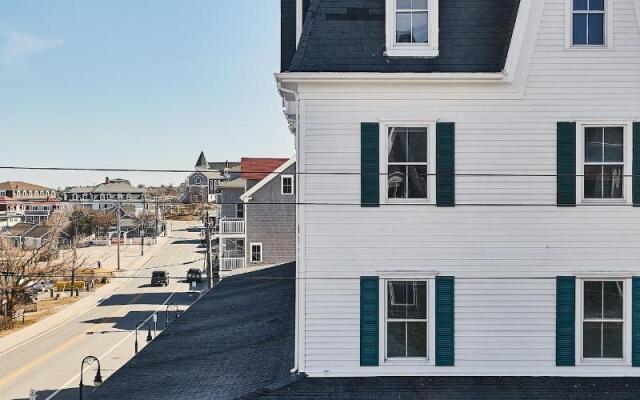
(349, 36)
(458, 388)
(235, 341)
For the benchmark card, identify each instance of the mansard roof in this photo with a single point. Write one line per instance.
(349, 36)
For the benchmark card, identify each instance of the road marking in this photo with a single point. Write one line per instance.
(63, 323)
(75, 378)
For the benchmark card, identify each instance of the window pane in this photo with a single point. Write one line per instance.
(592, 182)
(612, 340)
(592, 340)
(417, 182)
(580, 4)
(597, 5)
(593, 144)
(403, 27)
(612, 182)
(579, 29)
(614, 144)
(403, 4)
(416, 339)
(420, 27)
(396, 335)
(596, 29)
(613, 295)
(397, 182)
(397, 145)
(407, 300)
(417, 145)
(592, 299)
(420, 4)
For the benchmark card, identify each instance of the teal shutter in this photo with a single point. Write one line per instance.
(635, 322)
(565, 321)
(445, 164)
(370, 164)
(635, 182)
(369, 326)
(445, 321)
(566, 179)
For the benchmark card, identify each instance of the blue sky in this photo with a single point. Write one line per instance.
(137, 84)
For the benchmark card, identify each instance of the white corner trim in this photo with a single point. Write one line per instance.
(299, 18)
(518, 36)
(246, 197)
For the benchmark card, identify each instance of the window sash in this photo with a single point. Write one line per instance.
(411, 11)
(603, 320)
(389, 320)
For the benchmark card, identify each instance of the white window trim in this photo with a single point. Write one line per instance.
(608, 29)
(431, 160)
(627, 329)
(431, 326)
(430, 49)
(198, 181)
(282, 178)
(258, 244)
(627, 191)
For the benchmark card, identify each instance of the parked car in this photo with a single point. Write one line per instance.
(159, 278)
(194, 275)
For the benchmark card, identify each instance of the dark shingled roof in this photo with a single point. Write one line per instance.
(458, 388)
(349, 36)
(237, 340)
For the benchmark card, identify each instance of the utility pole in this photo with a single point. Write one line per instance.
(157, 216)
(118, 241)
(144, 206)
(75, 256)
(208, 238)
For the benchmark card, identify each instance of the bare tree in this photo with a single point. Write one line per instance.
(103, 220)
(21, 266)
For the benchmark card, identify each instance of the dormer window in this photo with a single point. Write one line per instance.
(589, 24)
(412, 28)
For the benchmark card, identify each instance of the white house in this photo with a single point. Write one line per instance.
(483, 220)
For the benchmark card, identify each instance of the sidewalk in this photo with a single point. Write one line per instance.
(91, 300)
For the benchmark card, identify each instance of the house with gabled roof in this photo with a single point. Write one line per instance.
(26, 202)
(468, 179)
(255, 220)
(202, 184)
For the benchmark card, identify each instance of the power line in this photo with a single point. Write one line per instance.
(337, 173)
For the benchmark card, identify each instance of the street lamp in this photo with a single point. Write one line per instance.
(149, 338)
(166, 313)
(98, 378)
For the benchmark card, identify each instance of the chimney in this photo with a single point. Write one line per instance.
(106, 180)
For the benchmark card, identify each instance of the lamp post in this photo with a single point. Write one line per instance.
(98, 378)
(166, 313)
(149, 338)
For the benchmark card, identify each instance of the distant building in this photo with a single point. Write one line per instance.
(26, 202)
(256, 217)
(107, 195)
(202, 185)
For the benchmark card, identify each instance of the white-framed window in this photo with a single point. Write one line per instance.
(412, 28)
(408, 168)
(407, 328)
(256, 252)
(602, 321)
(589, 24)
(604, 154)
(286, 185)
(197, 180)
(239, 210)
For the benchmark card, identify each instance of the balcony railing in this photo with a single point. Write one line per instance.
(229, 226)
(229, 264)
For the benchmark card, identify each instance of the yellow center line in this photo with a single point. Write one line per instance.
(44, 357)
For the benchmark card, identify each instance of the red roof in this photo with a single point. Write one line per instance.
(259, 168)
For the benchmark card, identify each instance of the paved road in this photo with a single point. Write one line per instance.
(50, 363)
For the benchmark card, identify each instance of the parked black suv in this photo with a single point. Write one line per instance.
(159, 278)
(194, 275)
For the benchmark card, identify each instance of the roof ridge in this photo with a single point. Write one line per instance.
(307, 27)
